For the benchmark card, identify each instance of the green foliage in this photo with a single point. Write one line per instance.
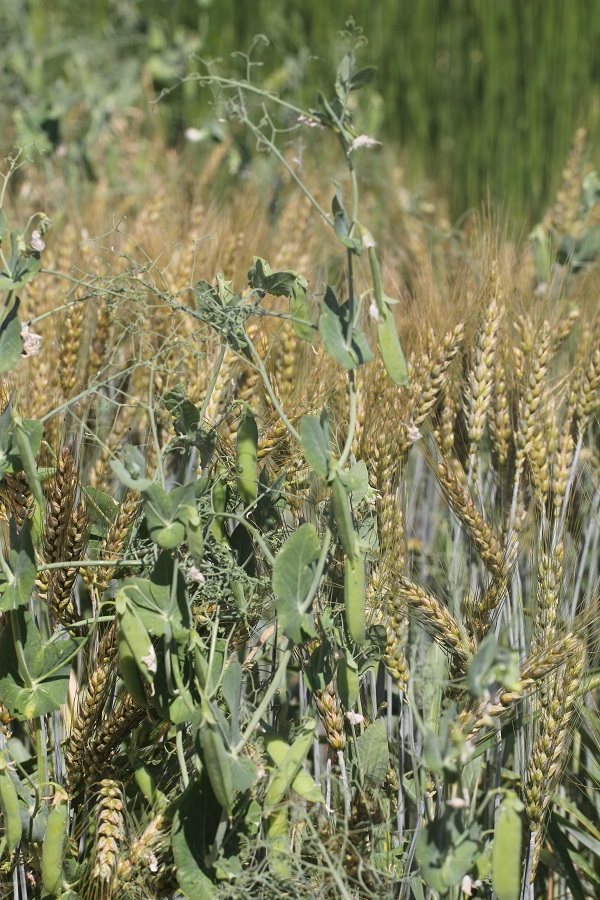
(202, 657)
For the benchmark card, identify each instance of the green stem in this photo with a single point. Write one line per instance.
(181, 756)
(213, 382)
(266, 700)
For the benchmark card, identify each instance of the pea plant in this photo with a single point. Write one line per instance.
(222, 672)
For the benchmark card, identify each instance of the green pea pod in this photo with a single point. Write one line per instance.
(132, 630)
(354, 598)
(285, 773)
(28, 460)
(390, 347)
(506, 851)
(9, 803)
(247, 458)
(347, 680)
(342, 514)
(147, 785)
(129, 671)
(387, 333)
(218, 766)
(219, 501)
(278, 842)
(53, 848)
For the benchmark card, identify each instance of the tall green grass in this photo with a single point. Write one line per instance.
(481, 96)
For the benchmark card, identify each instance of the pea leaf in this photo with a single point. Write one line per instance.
(162, 605)
(38, 684)
(16, 589)
(167, 514)
(345, 344)
(190, 844)
(11, 343)
(315, 445)
(374, 754)
(292, 577)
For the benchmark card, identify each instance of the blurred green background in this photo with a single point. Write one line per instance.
(478, 96)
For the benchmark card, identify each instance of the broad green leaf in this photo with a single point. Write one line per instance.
(39, 684)
(315, 445)
(374, 754)
(21, 268)
(11, 344)
(363, 77)
(446, 851)
(390, 347)
(132, 470)
(300, 313)
(167, 514)
(15, 591)
(318, 671)
(302, 783)
(190, 845)
(289, 767)
(186, 416)
(293, 571)
(161, 601)
(27, 436)
(344, 343)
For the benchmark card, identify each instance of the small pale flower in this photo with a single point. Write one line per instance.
(355, 718)
(309, 122)
(31, 341)
(36, 241)
(150, 661)
(367, 240)
(467, 886)
(196, 575)
(194, 135)
(374, 312)
(363, 140)
(412, 432)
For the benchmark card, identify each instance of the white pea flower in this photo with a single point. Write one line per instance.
(363, 140)
(31, 341)
(355, 718)
(196, 575)
(412, 432)
(374, 312)
(36, 241)
(309, 122)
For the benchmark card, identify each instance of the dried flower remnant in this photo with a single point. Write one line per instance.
(363, 140)
(32, 342)
(36, 241)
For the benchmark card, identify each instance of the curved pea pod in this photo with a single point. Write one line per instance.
(130, 673)
(390, 347)
(354, 598)
(131, 631)
(218, 766)
(506, 851)
(147, 785)
(283, 777)
(278, 842)
(247, 458)
(219, 502)
(53, 847)
(9, 803)
(387, 333)
(347, 680)
(342, 514)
